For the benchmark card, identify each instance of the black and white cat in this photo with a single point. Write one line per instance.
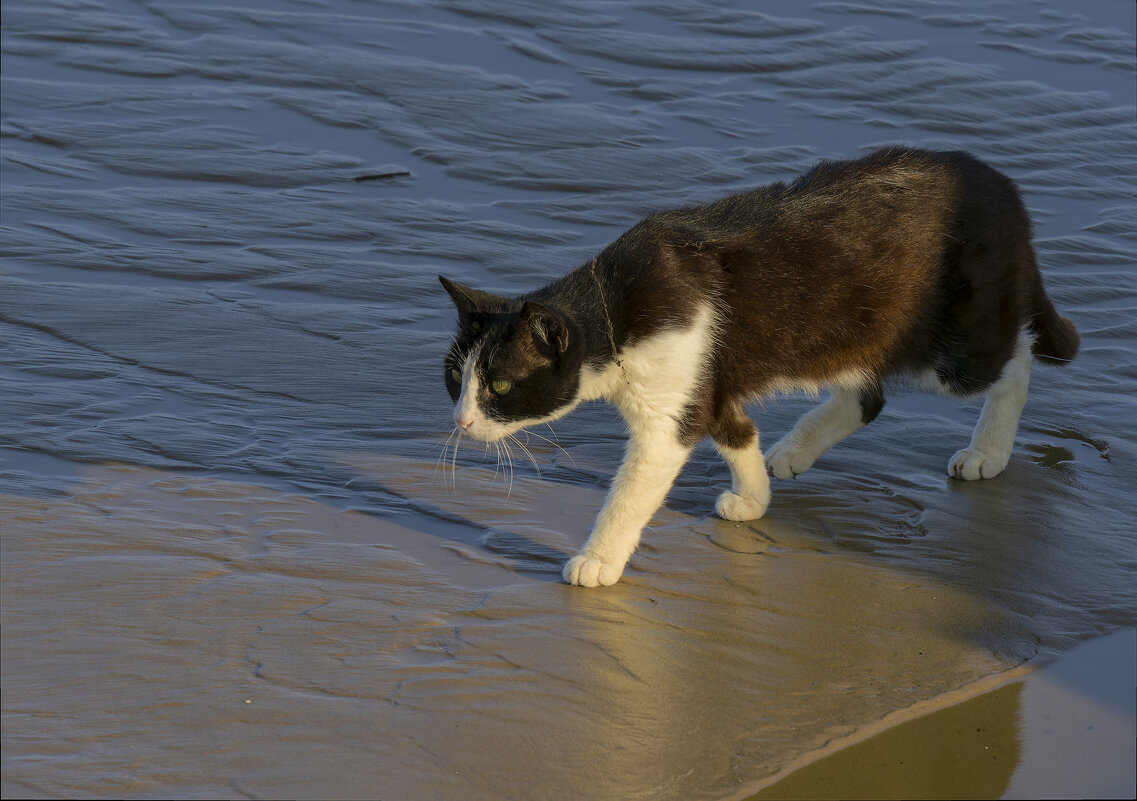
(903, 263)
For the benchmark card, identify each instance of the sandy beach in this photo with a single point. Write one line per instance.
(1064, 731)
(243, 557)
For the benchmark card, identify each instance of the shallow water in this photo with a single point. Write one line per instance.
(233, 560)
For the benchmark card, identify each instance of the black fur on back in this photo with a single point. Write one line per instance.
(900, 262)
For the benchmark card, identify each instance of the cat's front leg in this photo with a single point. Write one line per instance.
(651, 463)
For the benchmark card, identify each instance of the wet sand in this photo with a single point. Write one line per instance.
(238, 556)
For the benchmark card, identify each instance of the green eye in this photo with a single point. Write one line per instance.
(456, 376)
(501, 386)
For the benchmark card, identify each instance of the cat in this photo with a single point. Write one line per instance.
(904, 263)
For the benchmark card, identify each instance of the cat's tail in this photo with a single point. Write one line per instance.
(1055, 337)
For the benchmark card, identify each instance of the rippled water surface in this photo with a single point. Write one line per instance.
(233, 560)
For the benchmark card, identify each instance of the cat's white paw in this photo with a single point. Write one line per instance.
(971, 464)
(730, 506)
(788, 459)
(588, 570)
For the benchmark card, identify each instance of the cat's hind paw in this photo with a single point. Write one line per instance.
(971, 464)
(586, 570)
(730, 506)
(788, 459)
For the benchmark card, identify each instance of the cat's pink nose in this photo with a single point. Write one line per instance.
(464, 423)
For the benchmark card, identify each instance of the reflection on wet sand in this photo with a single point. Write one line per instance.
(187, 614)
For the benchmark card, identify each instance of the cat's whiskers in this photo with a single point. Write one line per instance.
(442, 455)
(503, 447)
(454, 461)
(552, 442)
(450, 446)
(529, 453)
(497, 452)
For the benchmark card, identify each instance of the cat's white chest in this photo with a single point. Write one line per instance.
(656, 378)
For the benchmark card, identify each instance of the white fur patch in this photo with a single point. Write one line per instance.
(994, 436)
(852, 380)
(821, 428)
(816, 432)
(750, 486)
(656, 377)
(651, 388)
(466, 409)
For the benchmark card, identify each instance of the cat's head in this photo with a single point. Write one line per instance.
(512, 364)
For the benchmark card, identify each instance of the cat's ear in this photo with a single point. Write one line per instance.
(464, 298)
(549, 328)
(471, 303)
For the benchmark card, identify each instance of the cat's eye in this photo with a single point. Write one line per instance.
(501, 385)
(456, 376)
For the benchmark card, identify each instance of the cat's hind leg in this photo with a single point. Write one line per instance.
(736, 440)
(994, 436)
(821, 428)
